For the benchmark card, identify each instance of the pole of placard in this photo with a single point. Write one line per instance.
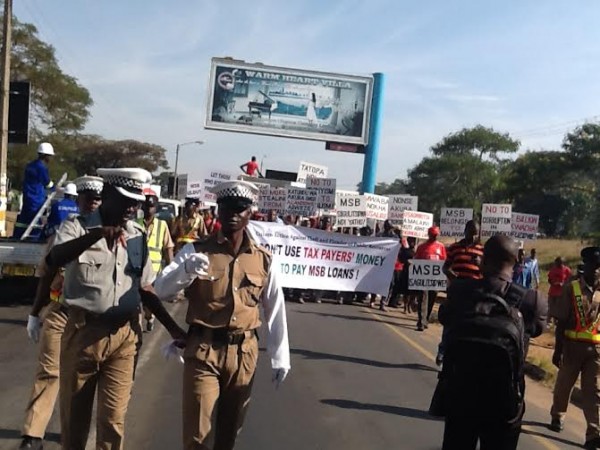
(372, 149)
(4, 95)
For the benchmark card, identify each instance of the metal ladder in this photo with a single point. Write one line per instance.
(44, 208)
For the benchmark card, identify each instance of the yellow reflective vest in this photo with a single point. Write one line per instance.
(156, 240)
(584, 331)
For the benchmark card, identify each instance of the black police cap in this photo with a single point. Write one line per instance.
(590, 254)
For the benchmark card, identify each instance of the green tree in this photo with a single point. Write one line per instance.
(478, 140)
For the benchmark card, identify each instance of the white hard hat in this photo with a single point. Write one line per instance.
(46, 148)
(70, 189)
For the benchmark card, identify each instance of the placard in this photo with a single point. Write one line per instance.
(307, 170)
(495, 219)
(453, 221)
(351, 211)
(416, 223)
(426, 275)
(400, 203)
(273, 198)
(300, 201)
(325, 188)
(194, 189)
(524, 226)
(376, 206)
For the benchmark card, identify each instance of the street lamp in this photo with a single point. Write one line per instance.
(175, 183)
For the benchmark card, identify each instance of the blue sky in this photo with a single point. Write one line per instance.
(527, 67)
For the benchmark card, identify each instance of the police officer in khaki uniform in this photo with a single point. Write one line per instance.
(49, 296)
(229, 277)
(189, 226)
(577, 348)
(107, 274)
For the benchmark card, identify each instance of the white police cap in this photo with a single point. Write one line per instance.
(89, 183)
(129, 181)
(236, 189)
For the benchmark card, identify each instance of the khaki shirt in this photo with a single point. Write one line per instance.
(229, 296)
(102, 280)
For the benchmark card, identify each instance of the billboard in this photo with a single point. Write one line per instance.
(254, 98)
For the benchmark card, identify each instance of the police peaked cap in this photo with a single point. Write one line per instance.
(590, 255)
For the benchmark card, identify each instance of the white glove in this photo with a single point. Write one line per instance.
(171, 350)
(197, 264)
(33, 328)
(279, 375)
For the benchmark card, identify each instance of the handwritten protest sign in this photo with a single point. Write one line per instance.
(307, 170)
(351, 211)
(453, 221)
(273, 198)
(416, 224)
(524, 226)
(194, 189)
(376, 206)
(400, 203)
(306, 258)
(426, 275)
(495, 219)
(301, 201)
(325, 188)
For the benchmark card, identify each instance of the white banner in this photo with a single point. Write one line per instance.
(416, 223)
(300, 201)
(325, 188)
(495, 219)
(524, 226)
(351, 211)
(453, 221)
(273, 198)
(400, 203)
(307, 170)
(426, 275)
(376, 206)
(307, 258)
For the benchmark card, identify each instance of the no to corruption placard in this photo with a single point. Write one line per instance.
(453, 221)
(426, 275)
(416, 223)
(524, 226)
(325, 188)
(400, 203)
(306, 258)
(351, 211)
(495, 219)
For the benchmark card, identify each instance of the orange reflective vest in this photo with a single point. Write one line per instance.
(584, 331)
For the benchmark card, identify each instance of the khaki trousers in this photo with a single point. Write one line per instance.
(217, 381)
(96, 353)
(45, 387)
(579, 357)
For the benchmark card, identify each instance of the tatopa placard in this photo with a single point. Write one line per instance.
(398, 204)
(376, 206)
(416, 223)
(351, 211)
(307, 170)
(524, 226)
(453, 221)
(325, 188)
(495, 219)
(426, 275)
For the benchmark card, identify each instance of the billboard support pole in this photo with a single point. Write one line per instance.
(372, 149)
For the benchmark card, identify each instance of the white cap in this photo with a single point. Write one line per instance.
(45, 148)
(88, 183)
(70, 189)
(237, 188)
(128, 181)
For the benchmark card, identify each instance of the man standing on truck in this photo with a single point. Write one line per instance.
(49, 295)
(35, 182)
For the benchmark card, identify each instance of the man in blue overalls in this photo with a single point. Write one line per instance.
(35, 183)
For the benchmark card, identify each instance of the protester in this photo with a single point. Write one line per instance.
(489, 322)
(35, 182)
(189, 226)
(211, 223)
(406, 254)
(388, 231)
(221, 349)
(432, 249)
(49, 298)
(576, 349)
(523, 270)
(251, 168)
(107, 274)
(62, 209)
(272, 216)
(535, 268)
(558, 275)
(464, 261)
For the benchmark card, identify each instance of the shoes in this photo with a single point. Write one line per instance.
(439, 359)
(372, 305)
(317, 300)
(301, 301)
(382, 308)
(592, 444)
(557, 425)
(420, 327)
(31, 443)
(150, 325)
(340, 301)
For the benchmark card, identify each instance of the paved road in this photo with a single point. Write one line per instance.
(361, 379)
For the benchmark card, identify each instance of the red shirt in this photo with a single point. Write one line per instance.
(431, 250)
(251, 167)
(557, 276)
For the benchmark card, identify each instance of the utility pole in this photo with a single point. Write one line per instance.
(4, 96)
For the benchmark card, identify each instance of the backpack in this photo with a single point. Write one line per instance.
(484, 357)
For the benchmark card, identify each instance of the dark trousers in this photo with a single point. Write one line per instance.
(463, 433)
(426, 300)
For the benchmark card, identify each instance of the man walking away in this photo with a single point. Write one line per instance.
(535, 268)
(489, 324)
(577, 346)
(523, 270)
(558, 276)
(251, 168)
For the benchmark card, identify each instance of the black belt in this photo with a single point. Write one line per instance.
(223, 335)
